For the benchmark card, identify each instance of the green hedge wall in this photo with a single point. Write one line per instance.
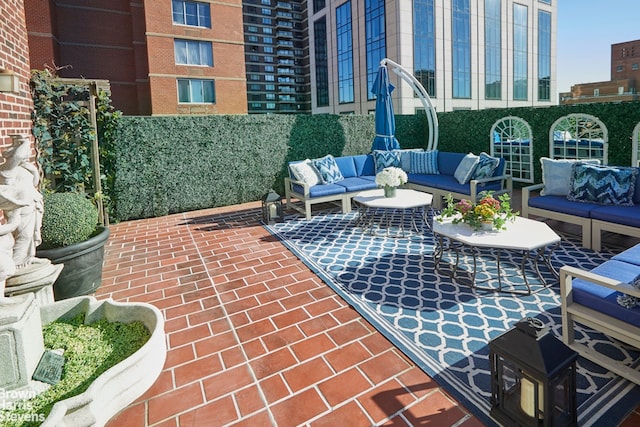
(180, 163)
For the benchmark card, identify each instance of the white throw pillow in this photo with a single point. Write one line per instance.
(556, 175)
(465, 169)
(305, 171)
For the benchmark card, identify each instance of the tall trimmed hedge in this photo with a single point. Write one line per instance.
(181, 163)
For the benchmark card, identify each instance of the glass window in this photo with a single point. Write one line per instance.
(545, 1)
(345, 53)
(492, 49)
(375, 40)
(511, 139)
(424, 45)
(461, 48)
(266, 11)
(318, 5)
(520, 52)
(191, 13)
(193, 52)
(544, 56)
(196, 91)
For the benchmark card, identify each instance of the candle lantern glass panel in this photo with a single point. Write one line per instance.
(272, 211)
(532, 378)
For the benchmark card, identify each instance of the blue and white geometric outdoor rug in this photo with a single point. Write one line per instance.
(443, 326)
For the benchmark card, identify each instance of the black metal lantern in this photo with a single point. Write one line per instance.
(272, 208)
(533, 377)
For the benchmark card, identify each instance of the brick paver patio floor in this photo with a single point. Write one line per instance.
(255, 338)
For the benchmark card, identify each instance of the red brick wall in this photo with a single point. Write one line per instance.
(228, 59)
(15, 108)
(130, 43)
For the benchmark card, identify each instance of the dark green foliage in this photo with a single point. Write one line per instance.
(68, 218)
(64, 134)
(176, 164)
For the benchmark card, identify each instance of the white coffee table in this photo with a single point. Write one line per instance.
(377, 211)
(523, 235)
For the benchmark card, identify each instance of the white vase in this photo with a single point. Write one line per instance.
(486, 225)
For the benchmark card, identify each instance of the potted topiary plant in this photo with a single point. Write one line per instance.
(72, 236)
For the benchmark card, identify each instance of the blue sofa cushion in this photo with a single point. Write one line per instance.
(606, 185)
(604, 299)
(384, 159)
(364, 165)
(623, 215)
(486, 166)
(466, 168)
(304, 171)
(321, 189)
(562, 205)
(556, 175)
(448, 162)
(328, 169)
(446, 183)
(631, 255)
(347, 166)
(425, 162)
(357, 184)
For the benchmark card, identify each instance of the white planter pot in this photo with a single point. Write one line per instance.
(123, 383)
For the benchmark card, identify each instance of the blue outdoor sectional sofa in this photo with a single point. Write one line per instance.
(596, 198)
(436, 172)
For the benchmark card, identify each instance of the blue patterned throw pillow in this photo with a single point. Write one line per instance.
(385, 159)
(425, 162)
(466, 167)
(486, 166)
(604, 185)
(328, 169)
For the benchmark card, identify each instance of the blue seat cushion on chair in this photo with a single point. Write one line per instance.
(347, 166)
(365, 166)
(320, 189)
(357, 184)
(603, 299)
(624, 215)
(562, 205)
(631, 255)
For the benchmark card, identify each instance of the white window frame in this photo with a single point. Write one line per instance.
(203, 13)
(204, 56)
(579, 136)
(511, 138)
(635, 141)
(197, 85)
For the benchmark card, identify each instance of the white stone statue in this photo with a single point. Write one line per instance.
(22, 208)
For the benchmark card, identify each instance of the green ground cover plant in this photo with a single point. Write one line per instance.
(89, 351)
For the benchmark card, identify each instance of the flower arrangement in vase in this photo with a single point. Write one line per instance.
(488, 214)
(391, 178)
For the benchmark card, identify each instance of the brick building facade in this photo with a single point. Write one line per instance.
(132, 44)
(625, 78)
(15, 108)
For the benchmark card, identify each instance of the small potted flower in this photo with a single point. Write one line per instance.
(390, 179)
(488, 214)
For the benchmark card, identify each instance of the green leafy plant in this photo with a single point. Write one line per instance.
(68, 218)
(488, 210)
(64, 135)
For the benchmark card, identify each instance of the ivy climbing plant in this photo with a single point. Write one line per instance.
(63, 132)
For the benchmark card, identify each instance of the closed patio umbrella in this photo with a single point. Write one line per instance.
(385, 120)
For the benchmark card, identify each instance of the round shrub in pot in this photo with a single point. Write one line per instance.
(71, 236)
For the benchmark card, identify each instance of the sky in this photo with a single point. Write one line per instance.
(586, 31)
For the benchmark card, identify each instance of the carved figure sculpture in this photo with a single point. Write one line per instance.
(22, 208)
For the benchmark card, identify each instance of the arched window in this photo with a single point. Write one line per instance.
(635, 156)
(578, 136)
(511, 138)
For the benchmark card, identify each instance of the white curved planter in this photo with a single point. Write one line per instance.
(120, 385)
